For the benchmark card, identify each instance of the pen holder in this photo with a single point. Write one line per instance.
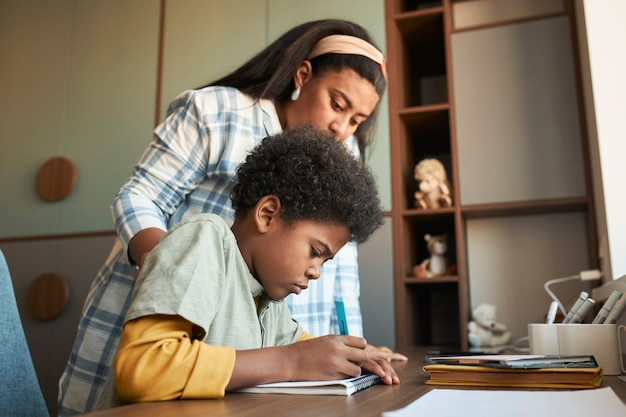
(603, 341)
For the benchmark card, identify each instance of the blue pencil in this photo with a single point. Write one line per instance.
(341, 316)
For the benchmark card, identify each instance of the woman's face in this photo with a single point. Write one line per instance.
(333, 101)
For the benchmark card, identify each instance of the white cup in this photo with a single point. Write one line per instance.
(600, 340)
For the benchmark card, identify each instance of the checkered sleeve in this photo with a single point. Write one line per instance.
(348, 287)
(172, 166)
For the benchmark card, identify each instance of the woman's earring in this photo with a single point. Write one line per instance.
(295, 94)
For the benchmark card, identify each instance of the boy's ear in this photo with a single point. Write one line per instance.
(265, 212)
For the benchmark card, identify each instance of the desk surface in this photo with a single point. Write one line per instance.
(370, 402)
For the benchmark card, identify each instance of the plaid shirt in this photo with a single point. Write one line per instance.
(187, 169)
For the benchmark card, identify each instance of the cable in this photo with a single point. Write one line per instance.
(547, 284)
(587, 275)
(518, 345)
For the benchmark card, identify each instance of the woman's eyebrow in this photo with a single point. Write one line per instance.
(349, 102)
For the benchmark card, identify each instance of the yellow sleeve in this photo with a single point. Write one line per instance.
(305, 336)
(158, 360)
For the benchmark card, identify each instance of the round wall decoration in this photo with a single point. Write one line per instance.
(48, 296)
(56, 179)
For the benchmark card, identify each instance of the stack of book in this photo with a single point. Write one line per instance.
(515, 371)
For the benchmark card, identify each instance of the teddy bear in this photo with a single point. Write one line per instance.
(484, 330)
(436, 264)
(433, 189)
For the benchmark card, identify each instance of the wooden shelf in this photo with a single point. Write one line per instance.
(433, 280)
(416, 114)
(417, 25)
(522, 208)
(420, 128)
(423, 124)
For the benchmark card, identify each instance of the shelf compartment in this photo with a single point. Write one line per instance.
(422, 45)
(428, 136)
(433, 315)
(429, 126)
(434, 222)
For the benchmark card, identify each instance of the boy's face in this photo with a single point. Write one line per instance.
(289, 255)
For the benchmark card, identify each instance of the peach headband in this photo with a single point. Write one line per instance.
(345, 44)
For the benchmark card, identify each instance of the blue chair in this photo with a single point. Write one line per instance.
(20, 394)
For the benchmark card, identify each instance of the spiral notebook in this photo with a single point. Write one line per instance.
(332, 387)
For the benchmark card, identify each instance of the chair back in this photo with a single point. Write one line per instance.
(20, 393)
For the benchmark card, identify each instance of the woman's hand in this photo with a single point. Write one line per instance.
(141, 244)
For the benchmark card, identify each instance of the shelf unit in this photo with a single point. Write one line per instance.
(435, 311)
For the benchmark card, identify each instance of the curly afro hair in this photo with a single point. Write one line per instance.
(315, 177)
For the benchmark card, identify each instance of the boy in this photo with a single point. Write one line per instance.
(208, 315)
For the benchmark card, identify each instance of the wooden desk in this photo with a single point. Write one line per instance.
(370, 402)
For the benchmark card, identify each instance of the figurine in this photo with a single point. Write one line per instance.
(433, 189)
(436, 264)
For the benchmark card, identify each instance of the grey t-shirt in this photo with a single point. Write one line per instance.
(197, 272)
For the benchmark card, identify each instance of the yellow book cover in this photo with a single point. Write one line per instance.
(485, 376)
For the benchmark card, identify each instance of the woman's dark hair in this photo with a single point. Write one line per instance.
(315, 177)
(270, 73)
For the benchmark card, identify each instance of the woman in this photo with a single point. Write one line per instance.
(307, 76)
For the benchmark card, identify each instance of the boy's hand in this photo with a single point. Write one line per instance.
(383, 352)
(383, 356)
(388, 374)
(338, 357)
(328, 357)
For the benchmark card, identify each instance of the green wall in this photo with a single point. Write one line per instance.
(79, 79)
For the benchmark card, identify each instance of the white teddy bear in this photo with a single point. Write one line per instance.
(484, 330)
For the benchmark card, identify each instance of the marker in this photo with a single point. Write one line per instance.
(581, 299)
(616, 311)
(341, 316)
(607, 307)
(582, 310)
(554, 306)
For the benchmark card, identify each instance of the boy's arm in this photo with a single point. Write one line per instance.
(159, 360)
(318, 358)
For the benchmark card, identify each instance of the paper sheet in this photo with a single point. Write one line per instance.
(497, 403)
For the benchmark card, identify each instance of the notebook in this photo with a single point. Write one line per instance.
(345, 387)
